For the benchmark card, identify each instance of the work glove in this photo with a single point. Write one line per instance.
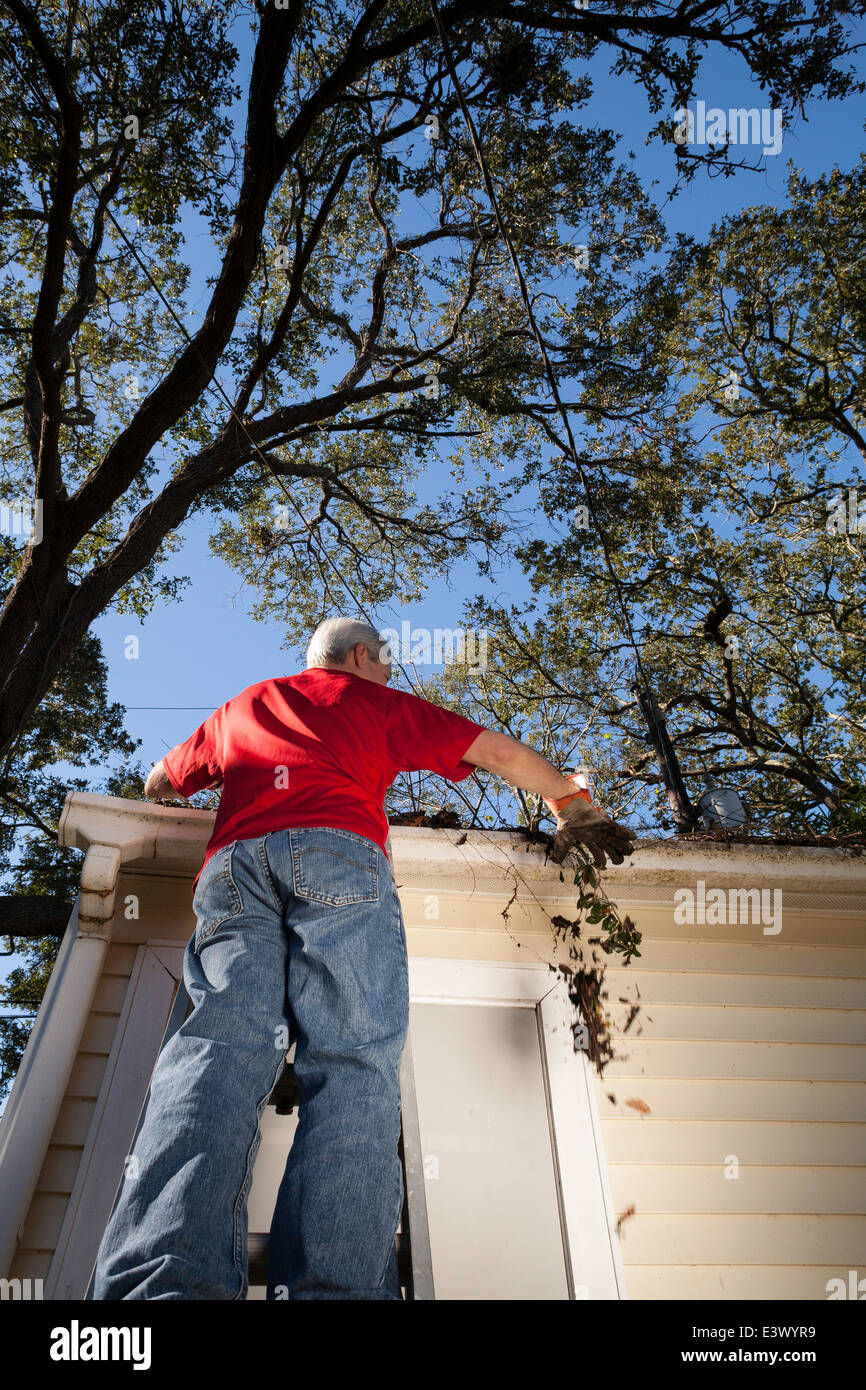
(580, 823)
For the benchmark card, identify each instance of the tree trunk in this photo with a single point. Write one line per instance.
(33, 915)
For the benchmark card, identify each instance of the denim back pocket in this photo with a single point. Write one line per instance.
(217, 897)
(335, 867)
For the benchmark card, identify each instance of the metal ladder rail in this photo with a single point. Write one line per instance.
(413, 1237)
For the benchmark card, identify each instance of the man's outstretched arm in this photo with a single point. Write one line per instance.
(518, 764)
(577, 822)
(158, 786)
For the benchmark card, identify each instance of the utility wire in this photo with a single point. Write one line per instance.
(524, 292)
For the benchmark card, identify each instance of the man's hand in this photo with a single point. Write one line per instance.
(579, 823)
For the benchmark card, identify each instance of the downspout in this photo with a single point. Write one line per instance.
(30, 1117)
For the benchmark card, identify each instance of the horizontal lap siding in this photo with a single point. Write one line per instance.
(748, 1282)
(654, 1139)
(54, 1187)
(751, 1058)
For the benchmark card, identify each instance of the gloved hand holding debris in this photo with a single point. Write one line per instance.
(579, 822)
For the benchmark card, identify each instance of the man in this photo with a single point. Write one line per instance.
(299, 934)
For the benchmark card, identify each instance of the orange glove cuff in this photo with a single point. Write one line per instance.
(564, 800)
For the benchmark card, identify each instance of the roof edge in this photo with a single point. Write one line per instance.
(174, 839)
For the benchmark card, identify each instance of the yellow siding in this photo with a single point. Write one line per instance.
(654, 1139)
(741, 1053)
(770, 1189)
(56, 1180)
(726, 1238)
(748, 1282)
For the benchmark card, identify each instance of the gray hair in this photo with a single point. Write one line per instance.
(335, 637)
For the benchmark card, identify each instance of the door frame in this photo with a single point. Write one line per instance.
(591, 1248)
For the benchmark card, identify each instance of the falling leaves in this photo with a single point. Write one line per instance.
(632, 1015)
(636, 1104)
(625, 1216)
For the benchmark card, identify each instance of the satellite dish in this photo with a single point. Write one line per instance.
(722, 806)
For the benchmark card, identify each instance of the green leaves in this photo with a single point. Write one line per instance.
(595, 909)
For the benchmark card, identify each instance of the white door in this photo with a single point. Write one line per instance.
(517, 1195)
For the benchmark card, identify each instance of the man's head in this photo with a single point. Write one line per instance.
(345, 644)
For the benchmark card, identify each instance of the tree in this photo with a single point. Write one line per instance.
(325, 323)
(75, 727)
(746, 569)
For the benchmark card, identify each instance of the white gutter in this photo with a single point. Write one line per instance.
(112, 831)
(480, 859)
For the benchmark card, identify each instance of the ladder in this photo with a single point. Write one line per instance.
(413, 1235)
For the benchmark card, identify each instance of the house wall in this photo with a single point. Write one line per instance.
(57, 1176)
(747, 1170)
(749, 1052)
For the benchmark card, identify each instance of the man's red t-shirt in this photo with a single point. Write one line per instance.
(316, 749)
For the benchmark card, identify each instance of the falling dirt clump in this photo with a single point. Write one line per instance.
(617, 936)
(640, 1105)
(584, 988)
(621, 1220)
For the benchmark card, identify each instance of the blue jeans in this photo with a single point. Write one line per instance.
(299, 936)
